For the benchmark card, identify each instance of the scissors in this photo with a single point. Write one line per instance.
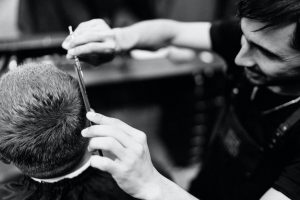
(83, 92)
(79, 73)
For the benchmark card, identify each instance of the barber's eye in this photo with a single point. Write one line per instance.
(268, 54)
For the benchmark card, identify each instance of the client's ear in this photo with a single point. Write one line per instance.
(4, 159)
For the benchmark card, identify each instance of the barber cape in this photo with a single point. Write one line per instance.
(91, 184)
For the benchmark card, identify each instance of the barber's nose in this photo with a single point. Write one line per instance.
(244, 57)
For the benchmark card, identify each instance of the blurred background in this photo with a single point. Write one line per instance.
(175, 102)
(19, 17)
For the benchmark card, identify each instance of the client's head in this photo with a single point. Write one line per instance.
(41, 117)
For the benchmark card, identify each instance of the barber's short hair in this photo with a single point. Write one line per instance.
(41, 118)
(275, 14)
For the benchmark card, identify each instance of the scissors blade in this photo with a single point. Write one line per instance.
(82, 87)
(79, 73)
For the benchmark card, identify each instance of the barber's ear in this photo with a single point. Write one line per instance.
(4, 159)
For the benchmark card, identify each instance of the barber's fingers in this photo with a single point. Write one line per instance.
(88, 30)
(92, 24)
(108, 131)
(108, 144)
(104, 120)
(94, 47)
(88, 37)
(95, 25)
(104, 164)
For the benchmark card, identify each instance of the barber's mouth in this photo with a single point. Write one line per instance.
(255, 77)
(252, 74)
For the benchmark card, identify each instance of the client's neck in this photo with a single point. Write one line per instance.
(86, 157)
(81, 167)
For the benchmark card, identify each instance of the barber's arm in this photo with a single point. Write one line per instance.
(273, 194)
(129, 162)
(95, 36)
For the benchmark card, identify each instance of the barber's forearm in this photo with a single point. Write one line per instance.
(146, 34)
(163, 32)
(165, 189)
(193, 35)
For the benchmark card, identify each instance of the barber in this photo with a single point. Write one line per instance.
(254, 152)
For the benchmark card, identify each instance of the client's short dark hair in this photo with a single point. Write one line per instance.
(274, 13)
(41, 117)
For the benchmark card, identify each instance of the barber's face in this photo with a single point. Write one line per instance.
(266, 54)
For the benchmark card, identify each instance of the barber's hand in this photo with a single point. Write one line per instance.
(130, 164)
(91, 40)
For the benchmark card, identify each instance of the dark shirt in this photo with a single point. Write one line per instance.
(243, 162)
(92, 184)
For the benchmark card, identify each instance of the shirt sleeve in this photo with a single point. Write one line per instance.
(288, 182)
(226, 39)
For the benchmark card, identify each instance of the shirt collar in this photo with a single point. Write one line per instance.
(71, 175)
